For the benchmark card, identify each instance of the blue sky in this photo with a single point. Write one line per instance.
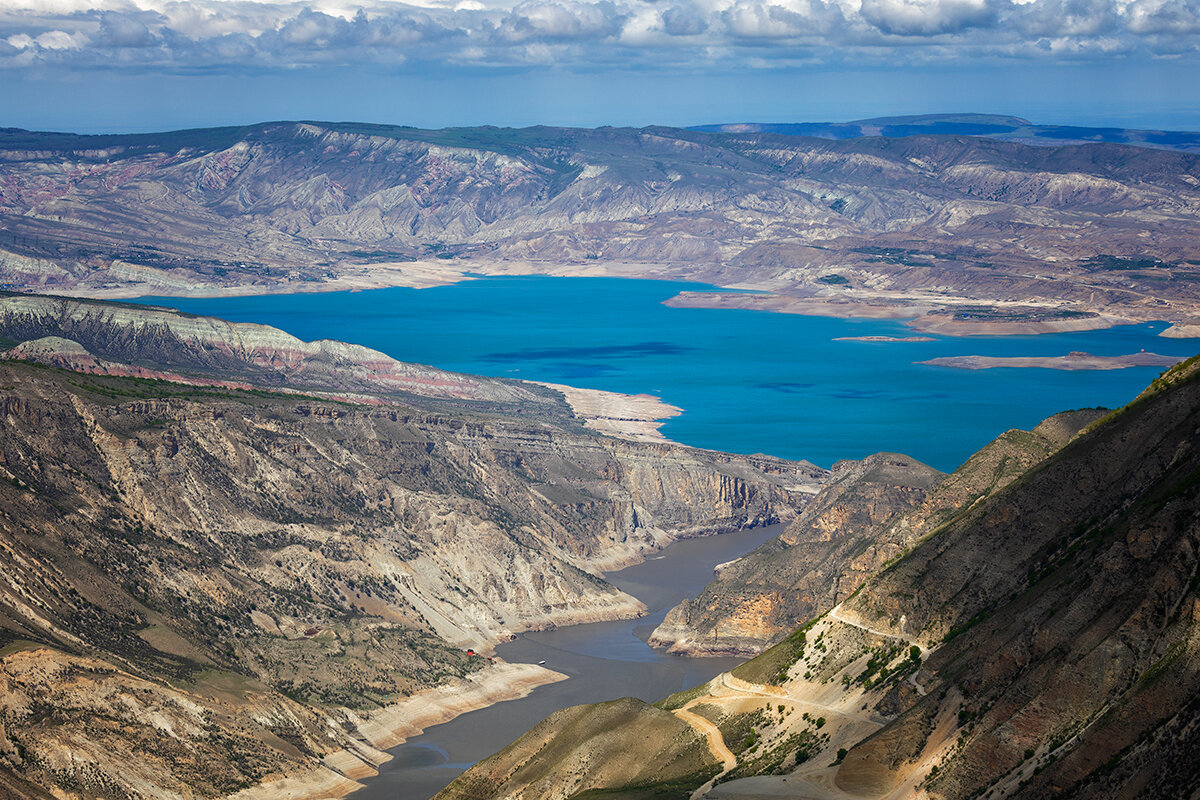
(134, 65)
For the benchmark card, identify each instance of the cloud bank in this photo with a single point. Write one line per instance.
(216, 35)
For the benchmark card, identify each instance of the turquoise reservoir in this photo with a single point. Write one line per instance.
(748, 381)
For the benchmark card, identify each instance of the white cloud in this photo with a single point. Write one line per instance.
(60, 40)
(927, 17)
(1174, 17)
(231, 34)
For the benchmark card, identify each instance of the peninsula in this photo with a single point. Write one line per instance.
(918, 228)
(1071, 361)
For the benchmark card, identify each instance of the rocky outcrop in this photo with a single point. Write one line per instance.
(870, 513)
(820, 558)
(1043, 641)
(240, 556)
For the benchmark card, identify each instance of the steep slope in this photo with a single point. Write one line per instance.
(260, 579)
(809, 567)
(882, 226)
(870, 513)
(580, 751)
(1085, 648)
(1043, 642)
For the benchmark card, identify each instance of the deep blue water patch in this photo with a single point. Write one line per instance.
(748, 381)
(640, 350)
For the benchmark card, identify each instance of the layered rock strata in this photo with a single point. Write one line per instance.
(269, 578)
(870, 513)
(1043, 641)
(967, 234)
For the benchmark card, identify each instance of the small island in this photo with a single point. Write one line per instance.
(1071, 361)
(884, 339)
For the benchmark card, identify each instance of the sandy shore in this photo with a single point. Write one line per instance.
(391, 726)
(804, 306)
(627, 416)
(913, 310)
(948, 326)
(123, 281)
(1183, 330)
(1071, 361)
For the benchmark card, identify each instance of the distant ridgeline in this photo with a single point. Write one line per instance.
(991, 125)
(891, 217)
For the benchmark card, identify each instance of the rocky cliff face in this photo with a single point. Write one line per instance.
(1075, 667)
(261, 574)
(902, 226)
(1043, 641)
(819, 559)
(870, 513)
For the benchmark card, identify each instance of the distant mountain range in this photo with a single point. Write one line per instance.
(994, 126)
(966, 233)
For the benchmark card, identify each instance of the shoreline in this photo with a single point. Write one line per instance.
(1071, 361)
(913, 309)
(636, 417)
(913, 312)
(342, 770)
(393, 725)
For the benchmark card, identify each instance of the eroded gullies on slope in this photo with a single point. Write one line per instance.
(264, 573)
(1041, 640)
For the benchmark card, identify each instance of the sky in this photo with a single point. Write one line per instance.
(96, 66)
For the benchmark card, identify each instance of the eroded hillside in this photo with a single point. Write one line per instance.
(202, 572)
(1038, 238)
(870, 513)
(1041, 642)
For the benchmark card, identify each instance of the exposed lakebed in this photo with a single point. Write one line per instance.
(748, 381)
(604, 660)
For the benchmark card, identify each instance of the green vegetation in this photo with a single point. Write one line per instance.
(771, 666)
(742, 731)
(380, 256)
(1164, 664)
(126, 145)
(1110, 263)
(957, 631)
(759, 754)
(677, 789)
(834, 280)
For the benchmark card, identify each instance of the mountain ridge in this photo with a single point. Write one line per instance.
(256, 589)
(921, 228)
(1043, 641)
(996, 126)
